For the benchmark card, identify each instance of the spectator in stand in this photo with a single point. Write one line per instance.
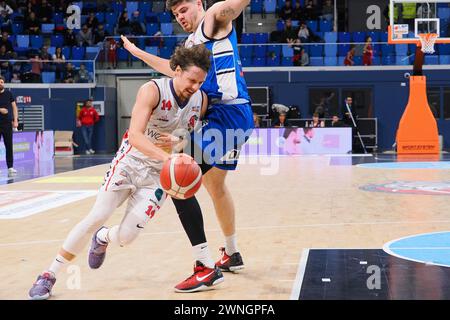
(282, 121)
(286, 11)
(256, 120)
(310, 10)
(336, 122)
(5, 7)
(83, 75)
(16, 78)
(316, 123)
(70, 39)
(88, 117)
(348, 61)
(36, 68)
(32, 24)
(59, 59)
(92, 22)
(4, 41)
(327, 11)
(100, 34)
(368, 52)
(303, 59)
(5, 21)
(70, 74)
(298, 12)
(303, 33)
(137, 27)
(289, 33)
(4, 65)
(44, 55)
(112, 53)
(124, 26)
(45, 13)
(84, 37)
(61, 6)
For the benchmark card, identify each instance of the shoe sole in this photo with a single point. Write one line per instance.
(44, 297)
(232, 269)
(201, 288)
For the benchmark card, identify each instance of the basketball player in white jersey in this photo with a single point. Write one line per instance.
(162, 106)
(229, 111)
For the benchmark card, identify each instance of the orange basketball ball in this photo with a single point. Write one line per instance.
(181, 176)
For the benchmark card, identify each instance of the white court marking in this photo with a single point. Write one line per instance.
(38, 201)
(295, 294)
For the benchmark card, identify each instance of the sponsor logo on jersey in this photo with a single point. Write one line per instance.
(231, 155)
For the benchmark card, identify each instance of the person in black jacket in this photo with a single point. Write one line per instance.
(9, 119)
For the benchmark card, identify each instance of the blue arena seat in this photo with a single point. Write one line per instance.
(78, 53)
(331, 61)
(246, 51)
(273, 61)
(316, 50)
(152, 28)
(401, 49)
(166, 52)
(444, 59)
(259, 62)
(248, 38)
(256, 6)
(167, 28)
(260, 51)
(246, 62)
(287, 62)
(48, 77)
(358, 36)
(330, 50)
(36, 41)
(330, 37)
(261, 38)
(274, 49)
(431, 59)
(316, 61)
(287, 51)
(313, 25)
(152, 50)
(325, 26)
(56, 40)
(270, 6)
(122, 54)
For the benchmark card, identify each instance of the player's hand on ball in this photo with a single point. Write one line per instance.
(166, 140)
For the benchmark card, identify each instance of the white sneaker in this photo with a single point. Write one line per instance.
(92, 151)
(88, 152)
(12, 171)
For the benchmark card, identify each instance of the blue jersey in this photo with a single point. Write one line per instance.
(225, 82)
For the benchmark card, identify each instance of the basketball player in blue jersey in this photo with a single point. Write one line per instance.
(229, 110)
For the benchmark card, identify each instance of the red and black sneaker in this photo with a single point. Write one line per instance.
(230, 263)
(203, 279)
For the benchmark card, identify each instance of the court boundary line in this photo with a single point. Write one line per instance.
(298, 282)
(248, 228)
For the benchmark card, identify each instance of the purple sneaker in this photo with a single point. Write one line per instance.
(97, 252)
(42, 288)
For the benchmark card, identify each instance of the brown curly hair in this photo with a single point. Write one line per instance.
(197, 56)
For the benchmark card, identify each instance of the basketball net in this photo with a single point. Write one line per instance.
(427, 41)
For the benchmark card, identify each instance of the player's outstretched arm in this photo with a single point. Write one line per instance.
(226, 11)
(146, 100)
(159, 64)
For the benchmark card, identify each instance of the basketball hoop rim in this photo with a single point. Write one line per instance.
(412, 41)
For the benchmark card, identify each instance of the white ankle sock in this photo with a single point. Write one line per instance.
(57, 264)
(102, 235)
(202, 254)
(231, 245)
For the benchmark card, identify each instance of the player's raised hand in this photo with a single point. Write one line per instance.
(131, 47)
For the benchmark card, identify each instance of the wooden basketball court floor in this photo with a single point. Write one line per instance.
(283, 204)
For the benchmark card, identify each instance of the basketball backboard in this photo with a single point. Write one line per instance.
(410, 18)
